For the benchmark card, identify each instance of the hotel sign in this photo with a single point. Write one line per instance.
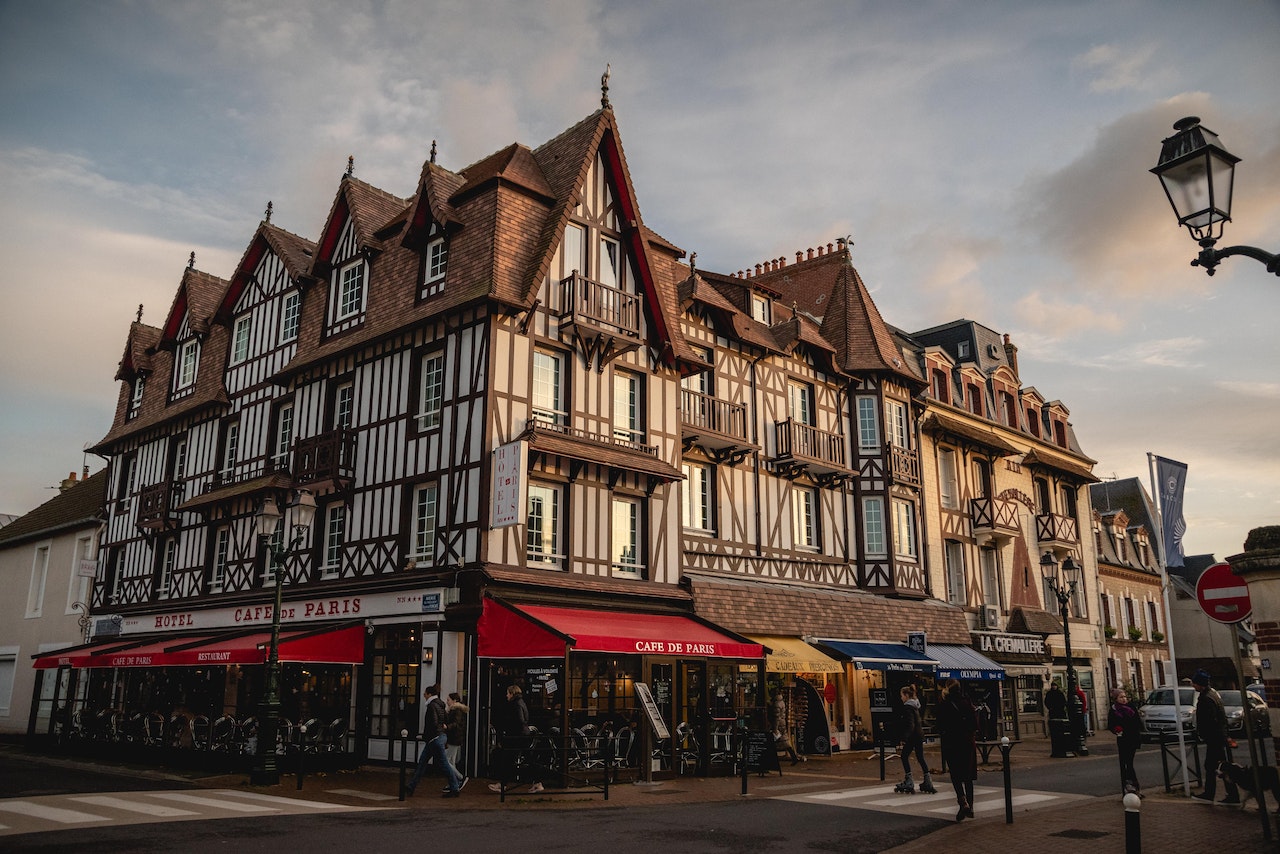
(509, 481)
(407, 603)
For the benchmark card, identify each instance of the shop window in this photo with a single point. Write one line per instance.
(397, 657)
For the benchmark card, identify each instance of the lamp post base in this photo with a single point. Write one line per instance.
(264, 777)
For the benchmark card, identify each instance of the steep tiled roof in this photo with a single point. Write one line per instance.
(1034, 621)
(1075, 467)
(79, 506)
(853, 324)
(138, 350)
(965, 430)
(778, 608)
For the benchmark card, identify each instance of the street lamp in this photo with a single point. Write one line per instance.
(1197, 174)
(301, 514)
(1064, 587)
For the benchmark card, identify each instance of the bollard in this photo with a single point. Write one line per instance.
(880, 739)
(302, 748)
(1132, 824)
(1005, 747)
(404, 750)
(742, 736)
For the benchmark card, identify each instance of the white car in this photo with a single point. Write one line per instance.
(1157, 713)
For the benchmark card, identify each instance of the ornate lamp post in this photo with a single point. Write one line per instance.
(1064, 587)
(1197, 174)
(301, 515)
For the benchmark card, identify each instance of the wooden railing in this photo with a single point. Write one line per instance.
(804, 442)
(993, 514)
(904, 465)
(600, 305)
(704, 412)
(1054, 528)
(544, 424)
(157, 504)
(327, 456)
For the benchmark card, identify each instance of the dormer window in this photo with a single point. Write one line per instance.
(351, 291)
(240, 333)
(135, 399)
(290, 316)
(187, 360)
(941, 387)
(761, 309)
(437, 263)
(1033, 421)
(973, 399)
(962, 349)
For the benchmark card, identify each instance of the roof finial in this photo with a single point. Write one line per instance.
(433, 151)
(351, 164)
(693, 262)
(847, 240)
(191, 261)
(139, 312)
(267, 217)
(604, 87)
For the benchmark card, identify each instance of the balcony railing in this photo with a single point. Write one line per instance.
(600, 306)
(993, 518)
(819, 451)
(157, 505)
(717, 423)
(904, 465)
(328, 458)
(1051, 528)
(545, 424)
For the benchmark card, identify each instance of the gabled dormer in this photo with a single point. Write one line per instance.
(136, 366)
(1056, 424)
(940, 369)
(973, 390)
(1033, 409)
(1004, 391)
(187, 326)
(431, 224)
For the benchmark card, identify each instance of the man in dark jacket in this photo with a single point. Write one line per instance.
(435, 733)
(1211, 727)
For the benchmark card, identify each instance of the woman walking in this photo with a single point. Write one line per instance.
(957, 727)
(1124, 722)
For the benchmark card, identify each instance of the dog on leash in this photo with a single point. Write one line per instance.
(1242, 778)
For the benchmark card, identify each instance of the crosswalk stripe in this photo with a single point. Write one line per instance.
(285, 802)
(216, 803)
(357, 793)
(132, 806)
(57, 814)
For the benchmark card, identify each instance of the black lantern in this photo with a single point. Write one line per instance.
(1063, 586)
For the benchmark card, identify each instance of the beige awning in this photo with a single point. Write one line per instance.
(792, 655)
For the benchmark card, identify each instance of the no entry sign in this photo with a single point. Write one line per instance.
(1223, 595)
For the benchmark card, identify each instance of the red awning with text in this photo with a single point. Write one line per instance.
(548, 631)
(336, 646)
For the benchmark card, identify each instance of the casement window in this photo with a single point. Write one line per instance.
(804, 517)
(187, 361)
(240, 335)
(904, 529)
(335, 539)
(230, 449)
(115, 568)
(350, 291)
(437, 264)
(940, 386)
(761, 309)
(973, 399)
(990, 561)
(697, 495)
(954, 556)
(1008, 410)
(135, 399)
(962, 349)
(343, 404)
(422, 547)
(573, 252)
(275, 543)
(1079, 608)
(128, 475)
(627, 407)
(800, 402)
(431, 391)
(548, 387)
(283, 441)
(1069, 502)
(948, 481)
(895, 423)
(868, 423)
(981, 478)
(164, 581)
(1033, 421)
(1044, 503)
(609, 274)
(542, 546)
(1060, 434)
(39, 578)
(82, 562)
(626, 538)
(178, 459)
(8, 672)
(290, 316)
(221, 555)
(1153, 617)
(873, 526)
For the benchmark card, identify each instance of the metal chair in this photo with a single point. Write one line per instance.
(201, 732)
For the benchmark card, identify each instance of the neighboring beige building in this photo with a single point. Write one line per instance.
(1129, 591)
(46, 568)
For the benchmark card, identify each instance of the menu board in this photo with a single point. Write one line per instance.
(651, 710)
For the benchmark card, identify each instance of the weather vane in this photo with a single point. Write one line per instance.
(604, 87)
(433, 151)
(267, 213)
(139, 312)
(191, 261)
(351, 164)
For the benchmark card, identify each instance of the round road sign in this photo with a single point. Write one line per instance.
(1223, 595)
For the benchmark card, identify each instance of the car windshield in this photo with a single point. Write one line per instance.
(1230, 698)
(1164, 697)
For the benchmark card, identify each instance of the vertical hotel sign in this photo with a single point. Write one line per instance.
(509, 483)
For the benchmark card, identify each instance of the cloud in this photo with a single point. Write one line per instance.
(1115, 67)
(1059, 318)
(1261, 390)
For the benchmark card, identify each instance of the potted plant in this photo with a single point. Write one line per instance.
(1135, 633)
(1158, 637)
(1109, 631)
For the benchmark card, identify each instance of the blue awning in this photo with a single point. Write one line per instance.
(875, 655)
(965, 663)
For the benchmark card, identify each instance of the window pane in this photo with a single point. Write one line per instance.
(240, 339)
(873, 525)
(542, 543)
(548, 400)
(424, 523)
(868, 423)
(351, 291)
(432, 391)
(626, 536)
(290, 315)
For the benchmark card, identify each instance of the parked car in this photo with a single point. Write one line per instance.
(1157, 712)
(1235, 713)
(1257, 688)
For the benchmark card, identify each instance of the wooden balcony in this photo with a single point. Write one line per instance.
(1057, 532)
(904, 465)
(805, 448)
(158, 506)
(718, 426)
(993, 519)
(326, 461)
(604, 319)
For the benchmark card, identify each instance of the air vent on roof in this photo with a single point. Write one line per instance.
(993, 351)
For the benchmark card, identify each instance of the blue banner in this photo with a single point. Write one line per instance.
(1171, 478)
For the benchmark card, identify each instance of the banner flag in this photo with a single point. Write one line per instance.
(1172, 479)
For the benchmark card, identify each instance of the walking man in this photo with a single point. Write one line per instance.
(1211, 726)
(434, 731)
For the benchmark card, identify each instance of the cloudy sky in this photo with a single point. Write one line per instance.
(989, 159)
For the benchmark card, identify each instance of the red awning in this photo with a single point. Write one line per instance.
(547, 631)
(335, 646)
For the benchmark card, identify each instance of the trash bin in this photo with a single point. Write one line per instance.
(1060, 737)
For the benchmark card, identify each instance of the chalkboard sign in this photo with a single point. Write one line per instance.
(651, 710)
(761, 752)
